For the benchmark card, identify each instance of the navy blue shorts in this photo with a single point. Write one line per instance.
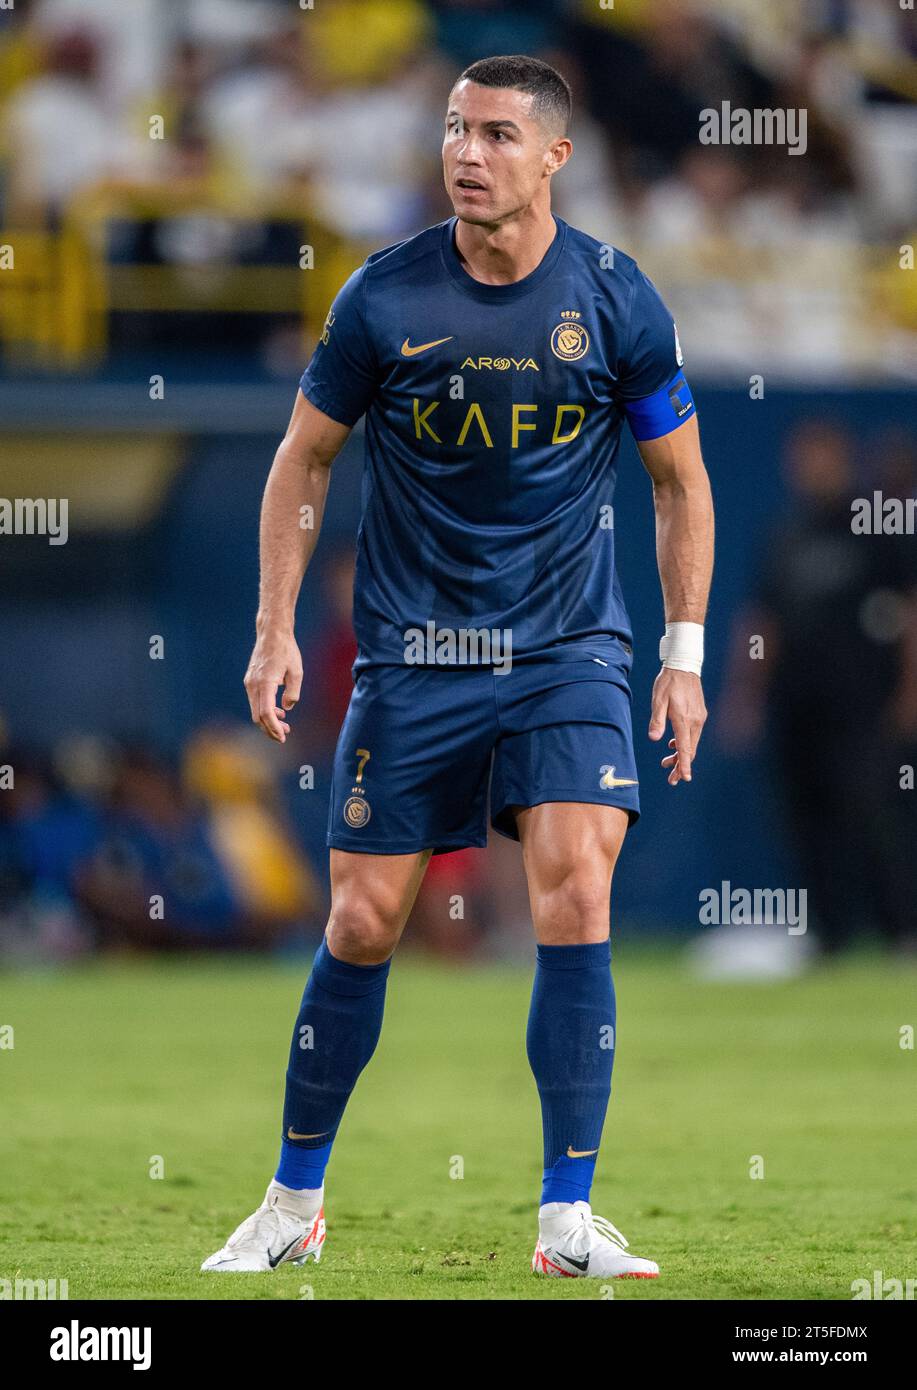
(422, 747)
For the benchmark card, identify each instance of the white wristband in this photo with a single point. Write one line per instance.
(682, 647)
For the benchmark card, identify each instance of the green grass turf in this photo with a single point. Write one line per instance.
(114, 1064)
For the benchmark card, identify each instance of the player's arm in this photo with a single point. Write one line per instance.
(337, 387)
(654, 395)
(291, 517)
(684, 554)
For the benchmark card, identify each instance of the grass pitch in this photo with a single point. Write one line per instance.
(118, 1069)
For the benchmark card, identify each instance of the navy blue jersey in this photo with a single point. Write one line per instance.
(493, 419)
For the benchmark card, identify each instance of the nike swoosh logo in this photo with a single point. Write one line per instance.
(581, 1153)
(619, 781)
(291, 1134)
(408, 351)
(274, 1260)
(581, 1265)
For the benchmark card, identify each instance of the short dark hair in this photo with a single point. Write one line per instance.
(552, 101)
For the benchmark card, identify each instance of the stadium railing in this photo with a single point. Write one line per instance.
(61, 288)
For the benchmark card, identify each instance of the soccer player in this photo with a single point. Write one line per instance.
(495, 358)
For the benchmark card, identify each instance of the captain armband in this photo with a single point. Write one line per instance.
(661, 413)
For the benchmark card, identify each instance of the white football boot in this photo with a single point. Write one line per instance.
(574, 1244)
(287, 1228)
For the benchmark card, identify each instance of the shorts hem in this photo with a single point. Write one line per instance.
(508, 829)
(439, 846)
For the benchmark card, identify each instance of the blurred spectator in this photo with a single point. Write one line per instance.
(357, 139)
(390, 130)
(58, 132)
(231, 774)
(836, 612)
(155, 880)
(262, 112)
(649, 91)
(588, 195)
(112, 848)
(132, 36)
(46, 834)
(704, 200)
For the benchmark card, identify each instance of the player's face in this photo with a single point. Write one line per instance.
(495, 156)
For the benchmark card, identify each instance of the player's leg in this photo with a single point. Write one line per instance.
(335, 1035)
(340, 1017)
(565, 784)
(570, 851)
(410, 776)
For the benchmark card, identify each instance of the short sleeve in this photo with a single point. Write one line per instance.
(341, 379)
(651, 388)
(653, 355)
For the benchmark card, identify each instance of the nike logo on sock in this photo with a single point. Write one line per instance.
(291, 1134)
(580, 1153)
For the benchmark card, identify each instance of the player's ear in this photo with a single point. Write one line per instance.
(557, 154)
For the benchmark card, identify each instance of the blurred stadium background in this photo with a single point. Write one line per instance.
(184, 185)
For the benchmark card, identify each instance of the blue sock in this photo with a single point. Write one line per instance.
(336, 1032)
(301, 1167)
(570, 1042)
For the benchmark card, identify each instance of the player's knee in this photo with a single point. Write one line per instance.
(364, 928)
(575, 909)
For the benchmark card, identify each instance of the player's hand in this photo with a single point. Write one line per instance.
(275, 661)
(678, 698)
